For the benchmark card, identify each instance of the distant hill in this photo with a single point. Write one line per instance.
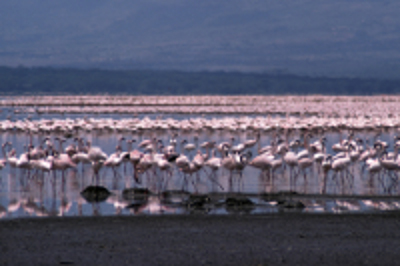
(52, 81)
(351, 38)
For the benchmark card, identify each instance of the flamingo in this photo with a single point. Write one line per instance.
(304, 153)
(263, 162)
(189, 169)
(229, 163)
(341, 165)
(240, 162)
(10, 157)
(215, 164)
(189, 147)
(146, 162)
(182, 161)
(304, 164)
(62, 162)
(341, 145)
(224, 145)
(165, 167)
(81, 157)
(114, 160)
(134, 157)
(71, 150)
(252, 142)
(23, 161)
(97, 158)
(290, 159)
(326, 166)
(96, 153)
(390, 165)
(318, 145)
(38, 152)
(374, 167)
(44, 165)
(3, 161)
(320, 153)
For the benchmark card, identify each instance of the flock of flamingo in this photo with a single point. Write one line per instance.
(196, 124)
(328, 107)
(310, 151)
(157, 160)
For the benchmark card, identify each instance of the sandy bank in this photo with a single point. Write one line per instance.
(281, 239)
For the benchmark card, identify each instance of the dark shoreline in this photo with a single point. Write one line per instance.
(30, 81)
(276, 239)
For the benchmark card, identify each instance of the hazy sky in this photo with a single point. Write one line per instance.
(337, 38)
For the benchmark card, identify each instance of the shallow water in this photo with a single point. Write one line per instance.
(30, 194)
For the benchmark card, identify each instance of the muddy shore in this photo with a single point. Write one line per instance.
(278, 239)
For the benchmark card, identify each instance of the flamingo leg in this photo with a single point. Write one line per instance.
(323, 188)
(213, 180)
(394, 181)
(272, 172)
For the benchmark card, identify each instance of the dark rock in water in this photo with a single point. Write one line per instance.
(291, 204)
(240, 202)
(95, 194)
(136, 194)
(199, 202)
(239, 205)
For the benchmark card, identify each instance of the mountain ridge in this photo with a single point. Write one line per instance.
(343, 38)
(67, 81)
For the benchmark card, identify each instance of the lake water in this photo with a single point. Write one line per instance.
(26, 193)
